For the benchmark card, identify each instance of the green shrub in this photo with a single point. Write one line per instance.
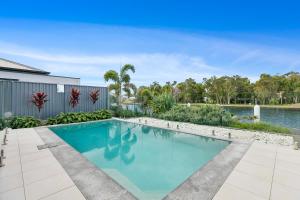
(75, 117)
(216, 116)
(23, 122)
(274, 101)
(2, 124)
(162, 103)
(120, 112)
(204, 114)
(260, 126)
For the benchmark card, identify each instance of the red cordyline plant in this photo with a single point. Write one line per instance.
(94, 95)
(39, 99)
(74, 97)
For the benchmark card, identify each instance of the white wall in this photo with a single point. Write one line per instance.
(37, 78)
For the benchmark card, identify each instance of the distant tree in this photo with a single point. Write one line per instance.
(244, 90)
(231, 89)
(266, 88)
(190, 91)
(121, 80)
(228, 89)
(169, 87)
(292, 91)
(215, 89)
(155, 88)
(130, 89)
(144, 96)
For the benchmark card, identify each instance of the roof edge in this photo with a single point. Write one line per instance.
(24, 70)
(33, 69)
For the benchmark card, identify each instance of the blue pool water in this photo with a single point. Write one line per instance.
(149, 162)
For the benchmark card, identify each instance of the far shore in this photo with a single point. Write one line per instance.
(283, 106)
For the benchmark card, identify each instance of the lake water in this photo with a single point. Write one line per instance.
(289, 118)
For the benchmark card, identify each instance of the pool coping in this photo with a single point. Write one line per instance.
(96, 184)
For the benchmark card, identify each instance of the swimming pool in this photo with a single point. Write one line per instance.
(149, 162)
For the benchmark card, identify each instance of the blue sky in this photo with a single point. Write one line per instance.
(165, 40)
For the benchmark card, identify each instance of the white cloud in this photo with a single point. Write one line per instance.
(158, 55)
(150, 67)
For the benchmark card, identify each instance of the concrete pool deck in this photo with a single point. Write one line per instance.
(266, 171)
(33, 174)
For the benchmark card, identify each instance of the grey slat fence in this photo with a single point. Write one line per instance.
(15, 97)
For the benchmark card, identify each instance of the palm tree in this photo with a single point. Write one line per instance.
(144, 95)
(121, 80)
(130, 89)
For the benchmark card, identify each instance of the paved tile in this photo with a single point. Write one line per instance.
(230, 192)
(44, 177)
(11, 170)
(71, 193)
(257, 158)
(11, 161)
(31, 140)
(11, 182)
(250, 183)
(265, 147)
(288, 166)
(32, 165)
(36, 156)
(11, 147)
(259, 171)
(262, 165)
(281, 192)
(42, 173)
(28, 148)
(287, 178)
(12, 154)
(289, 158)
(15, 194)
(47, 186)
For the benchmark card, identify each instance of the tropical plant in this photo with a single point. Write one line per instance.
(144, 96)
(74, 97)
(204, 114)
(66, 118)
(118, 111)
(24, 122)
(2, 124)
(130, 89)
(260, 126)
(94, 95)
(162, 103)
(121, 80)
(169, 87)
(155, 88)
(39, 99)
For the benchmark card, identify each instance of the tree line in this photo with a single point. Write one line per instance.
(269, 89)
(276, 89)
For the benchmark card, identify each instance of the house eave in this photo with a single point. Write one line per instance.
(24, 71)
